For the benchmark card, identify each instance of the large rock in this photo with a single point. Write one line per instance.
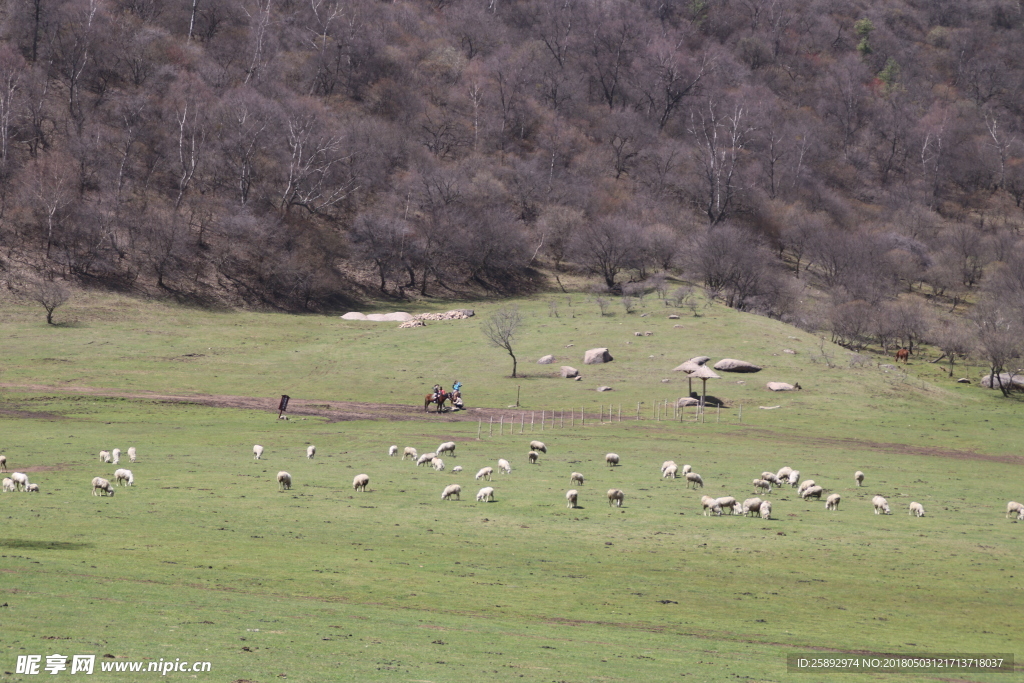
(733, 365)
(595, 356)
(547, 360)
(1009, 380)
(397, 317)
(782, 386)
(354, 315)
(569, 372)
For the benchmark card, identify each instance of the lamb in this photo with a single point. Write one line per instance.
(804, 486)
(812, 492)
(532, 457)
(576, 478)
(360, 482)
(20, 480)
(538, 446)
(437, 464)
(710, 506)
(615, 497)
(765, 486)
(504, 467)
(858, 477)
(484, 473)
(9, 485)
(694, 478)
(131, 454)
(916, 510)
(447, 447)
(257, 452)
(451, 490)
(115, 456)
(881, 505)
(485, 494)
(101, 484)
(284, 481)
(105, 456)
(393, 451)
(766, 510)
(125, 476)
(1012, 507)
(457, 468)
(310, 452)
(611, 459)
(669, 472)
(425, 459)
(409, 452)
(3, 463)
(832, 502)
(750, 505)
(794, 478)
(32, 488)
(572, 495)
(727, 502)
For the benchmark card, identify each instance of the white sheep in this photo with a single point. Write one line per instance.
(532, 457)
(284, 481)
(8, 485)
(32, 488)
(686, 469)
(665, 465)
(615, 497)
(794, 478)
(123, 475)
(310, 452)
(3, 463)
(393, 451)
(101, 484)
(105, 456)
(770, 478)
(881, 505)
(750, 506)
(484, 473)
(410, 452)
(437, 464)
(916, 510)
(20, 480)
(766, 510)
(1020, 515)
(611, 459)
(360, 482)
(832, 502)
(485, 494)
(783, 475)
(425, 459)
(1013, 507)
(695, 479)
(457, 468)
(669, 472)
(451, 490)
(764, 485)
(504, 467)
(131, 454)
(804, 485)
(576, 478)
(538, 446)
(447, 447)
(812, 492)
(710, 506)
(115, 456)
(257, 452)
(727, 502)
(858, 477)
(572, 495)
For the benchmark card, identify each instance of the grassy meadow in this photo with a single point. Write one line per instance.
(205, 560)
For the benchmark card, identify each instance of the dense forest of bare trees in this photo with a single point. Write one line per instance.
(299, 153)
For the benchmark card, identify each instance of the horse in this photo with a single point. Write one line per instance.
(903, 355)
(439, 399)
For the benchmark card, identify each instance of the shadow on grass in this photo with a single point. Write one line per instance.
(42, 545)
(69, 324)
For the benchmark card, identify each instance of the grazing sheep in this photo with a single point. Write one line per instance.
(572, 495)
(393, 451)
(101, 484)
(125, 476)
(504, 467)
(115, 456)
(665, 465)
(766, 510)
(783, 475)
(727, 502)
(360, 482)
(1012, 507)
(812, 492)
(832, 502)
(751, 505)
(615, 497)
(804, 486)
(447, 447)
(437, 464)
(451, 490)
(694, 478)
(794, 478)
(105, 456)
(881, 505)
(532, 457)
(484, 473)
(576, 478)
(3, 463)
(669, 472)
(257, 452)
(32, 488)
(410, 452)
(612, 459)
(284, 481)
(457, 468)
(20, 480)
(916, 510)
(538, 446)
(764, 485)
(770, 478)
(131, 454)
(9, 485)
(310, 452)
(485, 494)
(710, 506)
(425, 459)
(858, 477)
(686, 469)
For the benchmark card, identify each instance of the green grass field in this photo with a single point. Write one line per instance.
(205, 560)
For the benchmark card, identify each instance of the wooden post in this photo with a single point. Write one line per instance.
(561, 419)
(501, 426)
(583, 417)
(741, 412)
(490, 427)
(533, 415)
(542, 420)
(522, 420)
(572, 417)
(620, 412)
(479, 426)
(638, 410)
(718, 415)
(517, 395)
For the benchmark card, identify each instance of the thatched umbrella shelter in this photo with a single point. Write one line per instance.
(704, 373)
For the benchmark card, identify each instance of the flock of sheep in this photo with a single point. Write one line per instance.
(18, 481)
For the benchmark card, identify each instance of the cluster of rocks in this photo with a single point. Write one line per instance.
(405, 318)
(457, 314)
(412, 323)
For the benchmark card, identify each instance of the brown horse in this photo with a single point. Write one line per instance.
(440, 401)
(903, 355)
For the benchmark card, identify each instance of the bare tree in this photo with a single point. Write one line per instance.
(500, 330)
(998, 332)
(50, 295)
